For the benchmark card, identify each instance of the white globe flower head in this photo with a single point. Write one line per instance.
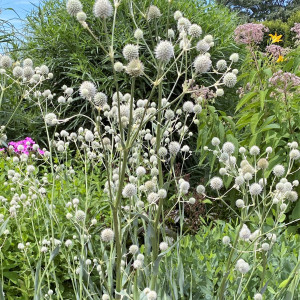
(226, 240)
(255, 189)
(140, 171)
(18, 72)
(164, 51)
(178, 15)
(118, 66)
(215, 141)
(197, 109)
(80, 215)
(100, 99)
(245, 232)
(209, 38)
(174, 148)
(195, 31)
(219, 92)
(242, 266)
(74, 7)
(153, 13)
(240, 203)
(105, 297)
(295, 154)
(21, 246)
(188, 107)
(51, 119)
(81, 16)
(129, 190)
(89, 136)
(131, 52)
(107, 235)
(216, 183)
(152, 295)
(269, 150)
(279, 170)
(234, 57)
(254, 150)
(258, 296)
(265, 247)
(27, 62)
(202, 46)
(5, 61)
(171, 34)
(228, 148)
(138, 264)
(230, 80)
(103, 9)
(133, 249)
(87, 90)
(202, 64)
(221, 65)
(138, 34)
(163, 246)
(162, 193)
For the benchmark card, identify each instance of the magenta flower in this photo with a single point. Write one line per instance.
(296, 29)
(24, 146)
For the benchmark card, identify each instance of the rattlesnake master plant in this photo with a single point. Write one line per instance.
(264, 189)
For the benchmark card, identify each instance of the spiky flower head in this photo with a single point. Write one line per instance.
(278, 170)
(135, 68)
(171, 34)
(202, 46)
(234, 57)
(164, 51)
(81, 16)
(80, 215)
(28, 72)
(153, 13)
(258, 296)
(226, 240)
(129, 190)
(138, 34)
(228, 147)
(27, 62)
(255, 189)
(163, 246)
(74, 7)
(184, 24)
(230, 80)
(18, 71)
(202, 64)
(118, 66)
(5, 61)
(44, 70)
(133, 249)
(107, 235)
(177, 15)
(100, 99)
(216, 183)
(51, 119)
(131, 52)
(221, 64)
(87, 90)
(103, 9)
(174, 148)
(152, 295)
(195, 30)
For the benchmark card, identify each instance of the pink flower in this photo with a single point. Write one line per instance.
(296, 29)
(250, 33)
(276, 51)
(283, 80)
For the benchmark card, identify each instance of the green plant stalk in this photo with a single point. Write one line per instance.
(155, 238)
(224, 279)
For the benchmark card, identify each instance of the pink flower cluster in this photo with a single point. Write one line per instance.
(296, 29)
(24, 146)
(250, 33)
(276, 51)
(284, 80)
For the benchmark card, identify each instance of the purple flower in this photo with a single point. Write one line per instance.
(283, 80)
(296, 29)
(250, 33)
(276, 51)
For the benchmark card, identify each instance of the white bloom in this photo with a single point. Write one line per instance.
(216, 183)
(129, 190)
(230, 80)
(107, 235)
(74, 7)
(234, 57)
(278, 170)
(255, 189)
(163, 246)
(103, 9)
(202, 64)
(164, 51)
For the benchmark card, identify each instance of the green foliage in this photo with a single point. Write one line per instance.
(263, 10)
(199, 264)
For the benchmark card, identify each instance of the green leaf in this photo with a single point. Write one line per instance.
(245, 99)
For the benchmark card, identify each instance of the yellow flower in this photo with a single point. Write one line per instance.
(280, 58)
(275, 38)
